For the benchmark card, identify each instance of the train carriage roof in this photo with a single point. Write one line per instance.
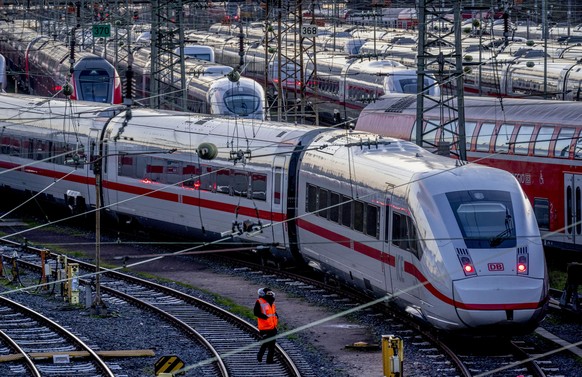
(515, 110)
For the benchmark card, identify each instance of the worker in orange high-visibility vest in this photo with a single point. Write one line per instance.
(268, 319)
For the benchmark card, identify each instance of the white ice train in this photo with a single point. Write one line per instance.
(457, 245)
(346, 84)
(559, 79)
(209, 88)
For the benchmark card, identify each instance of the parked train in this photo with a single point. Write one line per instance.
(352, 83)
(559, 79)
(342, 85)
(45, 68)
(210, 87)
(457, 245)
(538, 141)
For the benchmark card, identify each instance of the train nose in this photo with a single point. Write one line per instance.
(495, 300)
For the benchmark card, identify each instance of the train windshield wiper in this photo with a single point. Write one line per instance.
(504, 235)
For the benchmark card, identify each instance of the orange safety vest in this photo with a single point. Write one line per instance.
(268, 310)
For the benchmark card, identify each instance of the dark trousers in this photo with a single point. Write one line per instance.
(267, 346)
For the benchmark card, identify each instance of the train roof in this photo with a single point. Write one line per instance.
(516, 110)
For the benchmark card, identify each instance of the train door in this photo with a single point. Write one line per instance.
(403, 249)
(278, 197)
(573, 207)
(387, 259)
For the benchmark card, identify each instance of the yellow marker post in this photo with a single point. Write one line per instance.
(392, 356)
(73, 283)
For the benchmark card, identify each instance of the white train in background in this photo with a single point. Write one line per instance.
(43, 66)
(209, 86)
(345, 85)
(455, 244)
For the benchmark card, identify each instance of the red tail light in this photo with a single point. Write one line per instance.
(522, 264)
(468, 267)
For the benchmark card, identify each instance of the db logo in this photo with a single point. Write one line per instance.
(495, 266)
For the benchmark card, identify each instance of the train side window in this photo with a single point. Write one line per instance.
(399, 237)
(126, 166)
(223, 181)
(404, 234)
(543, 139)
(469, 130)
(563, 142)
(28, 148)
(311, 205)
(15, 146)
(5, 147)
(578, 211)
(154, 169)
(42, 149)
(578, 148)
(277, 185)
(59, 150)
(240, 183)
(259, 186)
(484, 136)
(172, 171)
(449, 132)
(569, 209)
(207, 178)
(322, 203)
(413, 244)
(358, 216)
(522, 139)
(346, 211)
(542, 212)
(372, 221)
(334, 200)
(191, 177)
(503, 137)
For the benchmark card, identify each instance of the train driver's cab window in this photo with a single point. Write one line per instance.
(503, 137)
(485, 218)
(242, 104)
(563, 142)
(484, 136)
(94, 85)
(543, 139)
(522, 139)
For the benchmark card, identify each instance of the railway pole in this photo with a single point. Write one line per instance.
(98, 306)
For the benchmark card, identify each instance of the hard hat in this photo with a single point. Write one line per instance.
(262, 292)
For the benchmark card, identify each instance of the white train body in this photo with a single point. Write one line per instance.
(380, 213)
(209, 91)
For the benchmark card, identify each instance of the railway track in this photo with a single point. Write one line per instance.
(31, 339)
(230, 341)
(448, 360)
(515, 358)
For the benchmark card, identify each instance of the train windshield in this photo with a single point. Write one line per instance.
(484, 217)
(242, 104)
(94, 85)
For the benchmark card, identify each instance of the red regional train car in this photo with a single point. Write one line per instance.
(538, 141)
